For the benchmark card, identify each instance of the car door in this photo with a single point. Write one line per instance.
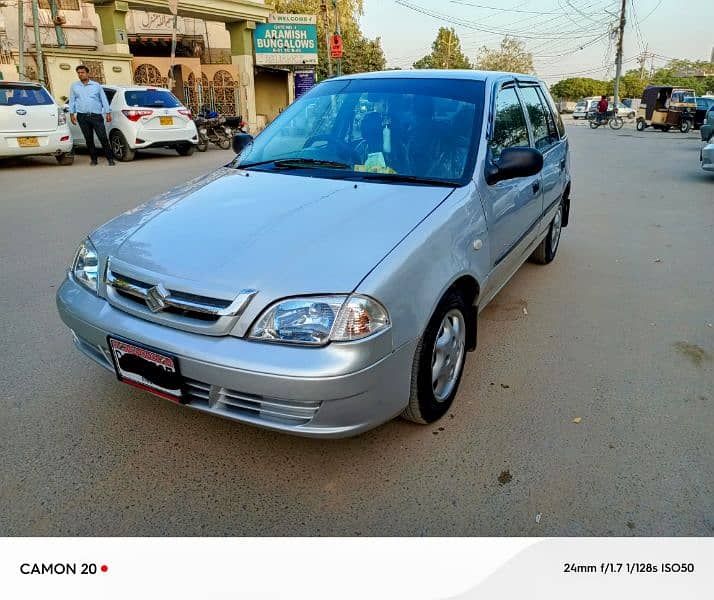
(546, 140)
(512, 207)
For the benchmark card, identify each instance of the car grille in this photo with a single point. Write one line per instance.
(232, 403)
(177, 308)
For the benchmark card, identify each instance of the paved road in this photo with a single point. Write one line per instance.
(617, 333)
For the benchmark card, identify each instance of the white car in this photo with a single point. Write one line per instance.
(582, 110)
(31, 123)
(145, 117)
(583, 107)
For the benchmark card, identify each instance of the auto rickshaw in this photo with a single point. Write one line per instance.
(665, 107)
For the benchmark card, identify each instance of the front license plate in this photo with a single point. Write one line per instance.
(146, 369)
(166, 120)
(28, 142)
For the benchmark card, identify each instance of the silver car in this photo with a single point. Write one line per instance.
(330, 277)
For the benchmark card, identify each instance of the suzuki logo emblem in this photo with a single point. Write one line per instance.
(156, 298)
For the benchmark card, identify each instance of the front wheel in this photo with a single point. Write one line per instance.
(545, 252)
(685, 126)
(224, 143)
(594, 124)
(438, 361)
(640, 125)
(202, 145)
(616, 123)
(120, 147)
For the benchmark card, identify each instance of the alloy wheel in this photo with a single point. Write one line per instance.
(448, 354)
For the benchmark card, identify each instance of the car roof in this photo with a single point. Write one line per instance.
(467, 74)
(21, 83)
(119, 87)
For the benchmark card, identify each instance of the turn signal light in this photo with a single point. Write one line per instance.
(135, 115)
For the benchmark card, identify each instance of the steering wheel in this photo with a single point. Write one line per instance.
(341, 148)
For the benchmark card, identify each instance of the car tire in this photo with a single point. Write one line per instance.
(430, 399)
(640, 125)
(120, 147)
(685, 126)
(186, 149)
(65, 159)
(546, 250)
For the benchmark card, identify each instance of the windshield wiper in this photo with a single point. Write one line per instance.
(297, 163)
(397, 178)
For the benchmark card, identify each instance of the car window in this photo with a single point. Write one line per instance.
(509, 127)
(556, 120)
(24, 95)
(151, 98)
(110, 94)
(420, 128)
(542, 126)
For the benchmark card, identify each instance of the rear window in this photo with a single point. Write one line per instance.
(24, 95)
(151, 98)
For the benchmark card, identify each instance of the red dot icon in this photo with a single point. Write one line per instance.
(104, 568)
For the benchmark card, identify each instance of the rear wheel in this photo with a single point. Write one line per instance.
(616, 123)
(545, 252)
(594, 124)
(685, 126)
(640, 126)
(65, 159)
(186, 149)
(120, 147)
(438, 361)
(202, 145)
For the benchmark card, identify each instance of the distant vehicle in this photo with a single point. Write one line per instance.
(32, 124)
(584, 111)
(145, 117)
(707, 128)
(584, 106)
(664, 107)
(704, 103)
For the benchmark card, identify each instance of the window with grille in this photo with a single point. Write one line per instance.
(61, 4)
(96, 70)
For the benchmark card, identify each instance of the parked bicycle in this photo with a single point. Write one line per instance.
(607, 118)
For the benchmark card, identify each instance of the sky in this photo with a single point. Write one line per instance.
(568, 38)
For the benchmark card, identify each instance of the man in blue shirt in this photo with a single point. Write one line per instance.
(88, 107)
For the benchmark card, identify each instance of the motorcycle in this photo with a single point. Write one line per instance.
(216, 129)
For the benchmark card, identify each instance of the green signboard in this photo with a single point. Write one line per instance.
(286, 42)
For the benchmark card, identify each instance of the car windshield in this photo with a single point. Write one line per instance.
(399, 129)
(151, 99)
(25, 95)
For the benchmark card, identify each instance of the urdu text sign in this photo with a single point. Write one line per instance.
(285, 44)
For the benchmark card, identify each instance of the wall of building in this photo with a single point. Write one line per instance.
(271, 93)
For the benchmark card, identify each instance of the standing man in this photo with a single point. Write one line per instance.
(88, 106)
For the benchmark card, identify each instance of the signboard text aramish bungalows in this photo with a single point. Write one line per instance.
(286, 40)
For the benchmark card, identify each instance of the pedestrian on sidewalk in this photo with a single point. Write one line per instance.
(88, 107)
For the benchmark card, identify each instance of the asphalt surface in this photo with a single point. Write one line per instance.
(616, 334)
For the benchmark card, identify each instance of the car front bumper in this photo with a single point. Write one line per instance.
(304, 391)
(707, 157)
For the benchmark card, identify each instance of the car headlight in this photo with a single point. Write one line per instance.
(86, 265)
(317, 320)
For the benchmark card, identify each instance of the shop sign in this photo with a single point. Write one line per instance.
(286, 40)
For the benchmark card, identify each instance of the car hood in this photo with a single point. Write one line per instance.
(278, 233)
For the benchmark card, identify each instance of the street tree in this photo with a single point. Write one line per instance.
(446, 53)
(575, 88)
(510, 56)
(360, 53)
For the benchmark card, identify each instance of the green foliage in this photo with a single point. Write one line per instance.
(445, 53)
(575, 88)
(360, 53)
(510, 56)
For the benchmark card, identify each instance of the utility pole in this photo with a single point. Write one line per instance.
(618, 57)
(173, 8)
(337, 32)
(21, 36)
(59, 32)
(642, 59)
(38, 42)
(326, 15)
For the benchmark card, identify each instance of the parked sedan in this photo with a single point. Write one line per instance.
(706, 157)
(145, 117)
(330, 277)
(32, 124)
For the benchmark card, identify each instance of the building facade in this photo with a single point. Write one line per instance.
(125, 42)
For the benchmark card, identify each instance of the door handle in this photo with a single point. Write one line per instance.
(536, 187)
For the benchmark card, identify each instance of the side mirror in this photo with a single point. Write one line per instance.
(240, 141)
(514, 162)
